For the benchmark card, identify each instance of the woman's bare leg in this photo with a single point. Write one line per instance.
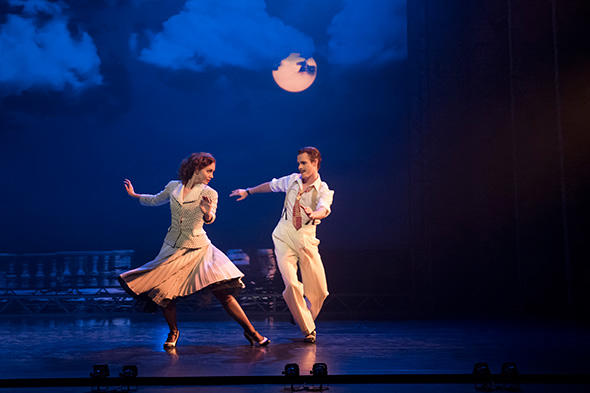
(170, 315)
(233, 308)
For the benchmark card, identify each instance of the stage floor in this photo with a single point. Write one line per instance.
(68, 346)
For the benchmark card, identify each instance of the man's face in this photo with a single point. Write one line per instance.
(307, 168)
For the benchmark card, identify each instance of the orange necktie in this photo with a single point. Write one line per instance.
(297, 222)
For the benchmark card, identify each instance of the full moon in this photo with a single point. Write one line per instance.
(295, 73)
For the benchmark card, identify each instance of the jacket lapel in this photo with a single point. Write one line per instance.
(194, 194)
(177, 193)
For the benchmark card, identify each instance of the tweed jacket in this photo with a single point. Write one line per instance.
(186, 227)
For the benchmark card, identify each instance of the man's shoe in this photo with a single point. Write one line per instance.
(172, 339)
(310, 338)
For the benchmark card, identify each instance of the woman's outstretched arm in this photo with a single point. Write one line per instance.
(147, 199)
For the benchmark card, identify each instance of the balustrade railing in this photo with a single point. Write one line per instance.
(62, 271)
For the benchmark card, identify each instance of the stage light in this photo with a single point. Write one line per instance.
(128, 376)
(319, 370)
(510, 377)
(483, 377)
(99, 374)
(291, 370)
(129, 371)
(100, 371)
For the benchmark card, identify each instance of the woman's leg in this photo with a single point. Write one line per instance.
(233, 308)
(170, 315)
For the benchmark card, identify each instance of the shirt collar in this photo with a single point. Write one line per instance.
(317, 183)
(179, 191)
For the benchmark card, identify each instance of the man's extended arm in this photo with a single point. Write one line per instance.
(243, 193)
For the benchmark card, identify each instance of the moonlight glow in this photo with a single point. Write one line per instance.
(295, 73)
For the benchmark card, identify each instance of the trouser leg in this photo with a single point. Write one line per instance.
(293, 293)
(314, 278)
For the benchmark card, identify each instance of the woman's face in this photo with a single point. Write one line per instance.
(205, 174)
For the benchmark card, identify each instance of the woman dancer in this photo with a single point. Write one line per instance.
(187, 261)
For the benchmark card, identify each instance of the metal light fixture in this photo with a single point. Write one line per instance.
(291, 370)
(100, 371)
(128, 376)
(128, 371)
(319, 370)
(98, 376)
(483, 377)
(510, 377)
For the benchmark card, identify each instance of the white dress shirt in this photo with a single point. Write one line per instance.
(292, 184)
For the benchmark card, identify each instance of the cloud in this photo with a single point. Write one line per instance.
(213, 33)
(34, 7)
(39, 51)
(368, 31)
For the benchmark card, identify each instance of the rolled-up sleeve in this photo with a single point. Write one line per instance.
(160, 198)
(282, 184)
(326, 196)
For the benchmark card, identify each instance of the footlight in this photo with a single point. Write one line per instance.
(100, 371)
(128, 376)
(129, 371)
(483, 377)
(319, 370)
(99, 374)
(291, 370)
(510, 377)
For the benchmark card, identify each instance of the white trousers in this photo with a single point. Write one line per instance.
(292, 246)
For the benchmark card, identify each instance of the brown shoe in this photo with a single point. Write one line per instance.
(310, 338)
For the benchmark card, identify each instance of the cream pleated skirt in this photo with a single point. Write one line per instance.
(180, 272)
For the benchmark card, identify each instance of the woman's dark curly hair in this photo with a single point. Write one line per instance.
(194, 162)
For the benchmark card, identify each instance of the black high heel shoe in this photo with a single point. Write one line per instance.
(252, 340)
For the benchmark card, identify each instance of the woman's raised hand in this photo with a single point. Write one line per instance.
(206, 206)
(129, 188)
(241, 193)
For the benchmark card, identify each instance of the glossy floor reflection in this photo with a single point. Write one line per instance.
(68, 347)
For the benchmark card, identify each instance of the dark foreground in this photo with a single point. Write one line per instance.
(68, 347)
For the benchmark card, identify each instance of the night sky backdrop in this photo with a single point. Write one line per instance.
(92, 92)
(454, 134)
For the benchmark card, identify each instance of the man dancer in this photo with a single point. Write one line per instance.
(307, 201)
